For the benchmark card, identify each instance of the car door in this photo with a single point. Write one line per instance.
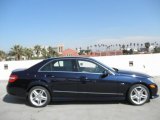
(92, 83)
(61, 75)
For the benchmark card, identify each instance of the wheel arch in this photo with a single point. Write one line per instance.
(41, 84)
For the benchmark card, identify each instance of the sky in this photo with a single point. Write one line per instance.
(78, 23)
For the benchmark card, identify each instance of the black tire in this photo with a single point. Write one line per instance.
(45, 94)
(131, 91)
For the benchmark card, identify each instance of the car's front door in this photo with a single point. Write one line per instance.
(92, 84)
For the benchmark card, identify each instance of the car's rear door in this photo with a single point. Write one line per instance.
(62, 78)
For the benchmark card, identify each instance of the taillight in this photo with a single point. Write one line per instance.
(13, 78)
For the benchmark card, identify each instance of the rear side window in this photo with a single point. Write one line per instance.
(59, 65)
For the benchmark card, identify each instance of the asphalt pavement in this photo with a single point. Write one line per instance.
(12, 108)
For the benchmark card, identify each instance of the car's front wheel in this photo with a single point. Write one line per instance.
(138, 94)
(38, 96)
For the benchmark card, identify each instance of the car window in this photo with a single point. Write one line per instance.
(87, 66)
(60, 65)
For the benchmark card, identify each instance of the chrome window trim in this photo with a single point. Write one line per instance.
(59, 91)
(85, 59)
(71, 72)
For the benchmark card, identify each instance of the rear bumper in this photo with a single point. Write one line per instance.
(19, 92)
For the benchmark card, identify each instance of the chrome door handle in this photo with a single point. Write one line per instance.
(83, 78)
(50, 76)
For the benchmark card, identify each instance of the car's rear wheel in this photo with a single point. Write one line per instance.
(138, 94)
(39, 96)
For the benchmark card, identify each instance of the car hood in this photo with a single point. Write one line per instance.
(132, 73)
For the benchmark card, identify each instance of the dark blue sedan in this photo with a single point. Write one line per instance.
(78, 78)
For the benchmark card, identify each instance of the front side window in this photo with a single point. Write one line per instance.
(87, 66)
(59, 65)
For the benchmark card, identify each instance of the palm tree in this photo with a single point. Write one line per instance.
(123, 46)
(137, 46)
(28, 52)
(44, 52)
(102, 45)
(147, 45)
(17, 51)
(134, 44)
(116, 46)
(95, 47)
(157, 44)
(99, 47)
(106, 47)
(87, 51)
(120, 46)
(109, 47)
(152, 44)
(37, 49)
(51, 52)
(2, 55)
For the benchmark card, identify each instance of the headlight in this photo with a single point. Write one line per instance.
(151, 79)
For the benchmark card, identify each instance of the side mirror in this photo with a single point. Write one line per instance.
(105, 74)
(115, 69)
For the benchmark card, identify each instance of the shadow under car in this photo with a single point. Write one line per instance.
(16, 100)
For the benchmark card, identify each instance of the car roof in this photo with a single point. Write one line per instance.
(68, 58)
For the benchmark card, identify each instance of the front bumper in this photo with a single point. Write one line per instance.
(153, 97)
(154, 91)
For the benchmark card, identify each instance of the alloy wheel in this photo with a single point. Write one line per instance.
(39, 96)
(139, 95)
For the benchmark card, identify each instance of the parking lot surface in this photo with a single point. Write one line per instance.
(12, 108)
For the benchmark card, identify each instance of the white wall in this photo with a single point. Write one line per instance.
(147, 63)
(12, 65)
